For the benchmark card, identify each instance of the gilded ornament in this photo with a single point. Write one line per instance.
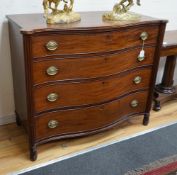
(121, 11)
(60, 11)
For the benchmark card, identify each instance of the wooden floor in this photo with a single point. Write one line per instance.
(14, 144)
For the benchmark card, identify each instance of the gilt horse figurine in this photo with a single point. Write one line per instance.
(55, 14)
(124, 6)
(47, 4)
(120, 11)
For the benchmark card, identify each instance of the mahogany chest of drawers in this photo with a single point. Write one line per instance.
(81, 78)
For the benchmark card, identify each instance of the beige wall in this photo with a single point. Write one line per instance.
(156, 8)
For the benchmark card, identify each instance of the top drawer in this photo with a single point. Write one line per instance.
(85, 42)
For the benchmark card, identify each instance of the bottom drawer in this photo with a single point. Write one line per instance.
(68, 122)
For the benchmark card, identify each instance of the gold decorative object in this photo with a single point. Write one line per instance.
(52, 45)
(121, 11)
(144, 36)
(52, 70)
(54, 14)
(53, 124)
(137, 80)
(134, 103)
(52, 97)
(141, 58)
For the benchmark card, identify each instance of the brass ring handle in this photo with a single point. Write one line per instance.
(134, 103)
(52, 97)
(53, 124)
(144, 36)
(52, 45)
(52, 70)
(140, 59)
(137, 80)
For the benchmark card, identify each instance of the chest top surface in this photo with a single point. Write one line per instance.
(32, 23)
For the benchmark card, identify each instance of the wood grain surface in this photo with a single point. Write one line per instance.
(83, 120)
(92, 20)
(170, 43)
(90, 92)
(75, 68)
(92, 42)
(14, 145)
(91, 37)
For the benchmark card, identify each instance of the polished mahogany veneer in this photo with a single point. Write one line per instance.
(81, 78)
(87, 67)
(90, 91)
(87, 119)
(86, 42)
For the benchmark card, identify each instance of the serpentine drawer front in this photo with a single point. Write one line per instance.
(89, 92)
(82, 78)
(82, 43)
(83, 120)
(45, 71)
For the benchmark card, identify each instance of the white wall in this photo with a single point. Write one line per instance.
(155, 8)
